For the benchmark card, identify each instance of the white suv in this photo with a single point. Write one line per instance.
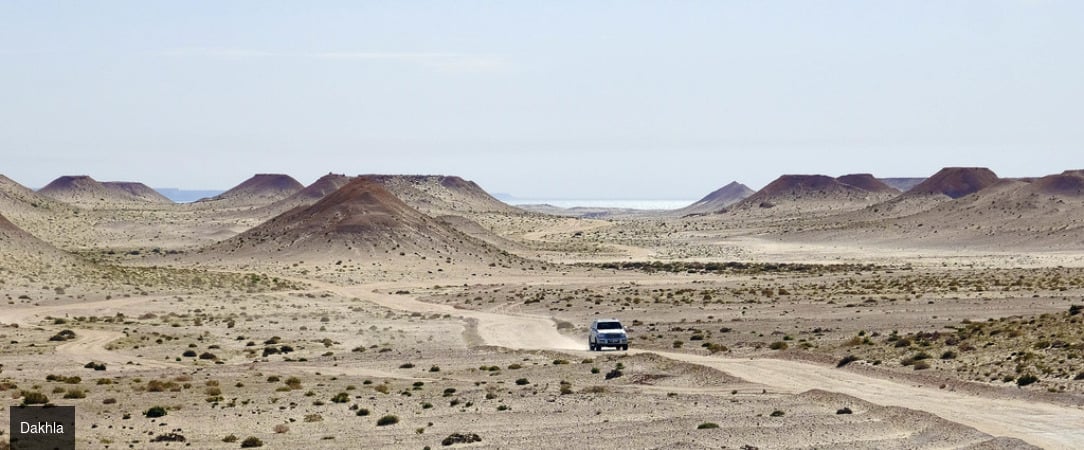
(607, 333)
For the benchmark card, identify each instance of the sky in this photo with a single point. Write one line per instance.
(561, 99)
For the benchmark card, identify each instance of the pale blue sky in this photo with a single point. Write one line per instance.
(616, 99)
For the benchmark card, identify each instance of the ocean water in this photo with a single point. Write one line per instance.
(607, 203)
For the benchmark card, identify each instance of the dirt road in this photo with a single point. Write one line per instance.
(1046, 425)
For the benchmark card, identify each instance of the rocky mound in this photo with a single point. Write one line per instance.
(801, 194)
(135, 190)
(867, 182)
(1046, 214)
(955, 182)
(718, 200)
(84, 191)
(1067, 184)
(312, 193)
(438, 195)
(77, 189)
(361, 219)
(260, 190)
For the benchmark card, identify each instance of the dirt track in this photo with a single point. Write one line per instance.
(1042, 424)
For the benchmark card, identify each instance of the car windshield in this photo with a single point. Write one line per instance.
(609, 325)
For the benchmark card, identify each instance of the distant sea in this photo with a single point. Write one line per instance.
(604, 203)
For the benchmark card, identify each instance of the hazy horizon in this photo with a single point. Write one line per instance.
(666, 101)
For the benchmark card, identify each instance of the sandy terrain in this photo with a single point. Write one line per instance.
(407, 312)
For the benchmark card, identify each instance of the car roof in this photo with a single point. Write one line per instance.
(606, 320)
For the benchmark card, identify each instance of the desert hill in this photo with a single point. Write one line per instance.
(1066, 184)
(135, 190)
(438, 195)
(362, 220)
(718, 200)
(955, 182)
(260, 190)
(86, 192)
(820, 194)
(312, 193)
(1044, 214)
(867, 182)
(947, 184)
(26, 255)
(17, 200)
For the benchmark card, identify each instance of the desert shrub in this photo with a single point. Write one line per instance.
(313, 418)
(94, 365)
(616, 373)
(230, 439)
(382, 388)
(434, 369)
(34, 398)
(560, 362)
(63, 335)
(169, 437)
(847, 360)
(948, 354)
(155, 411)
(778, 345)
(387, 420)
(74, 393)
(341, 397)
(251, 442)
(1027, 379)
(162, 386)
(293, 383)
(406, 366)
(922, 365)
(844, 410)
(777, 413)
(522, 382)
(363, 412)
(449, 391)
(189, 354)
(566, 388)
(460, 438)
(109, 401)
(707, 426)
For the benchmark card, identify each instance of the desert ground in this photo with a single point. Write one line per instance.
(420, 312)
